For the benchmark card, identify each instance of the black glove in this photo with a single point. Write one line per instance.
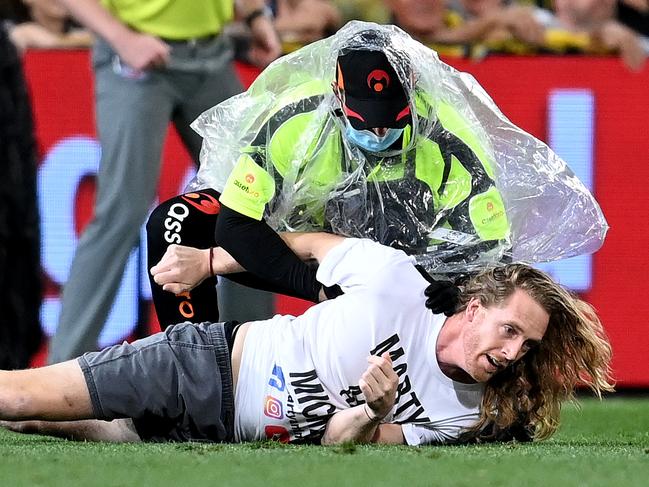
(332, 291)
(442, 296)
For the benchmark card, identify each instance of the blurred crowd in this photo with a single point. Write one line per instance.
(455, 28)
(42, 24)
(476, 28)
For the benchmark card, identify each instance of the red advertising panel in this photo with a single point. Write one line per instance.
(591, 110)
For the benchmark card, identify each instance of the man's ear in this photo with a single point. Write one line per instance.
(472, 309)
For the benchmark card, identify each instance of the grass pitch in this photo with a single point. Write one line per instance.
(602, 444)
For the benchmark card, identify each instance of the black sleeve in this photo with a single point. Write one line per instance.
(250, 280)
(262, 252)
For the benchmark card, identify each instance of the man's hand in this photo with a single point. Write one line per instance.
(362, 423)
(522, 24)
(181, 268)
(619, 38)
(139, 51)
(442, 296)
(142, 51)
(379, 386)
(265, 44)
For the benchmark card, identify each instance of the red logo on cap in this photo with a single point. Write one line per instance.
(250, 178)
(378, 80)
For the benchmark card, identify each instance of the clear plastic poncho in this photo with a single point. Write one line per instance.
(551, 215)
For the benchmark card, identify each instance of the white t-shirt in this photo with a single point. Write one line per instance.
(297, 372)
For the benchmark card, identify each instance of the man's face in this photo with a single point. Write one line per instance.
(496, 336)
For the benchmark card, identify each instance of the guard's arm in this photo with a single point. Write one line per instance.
(242, 231)
(262, 252)
(138, 50)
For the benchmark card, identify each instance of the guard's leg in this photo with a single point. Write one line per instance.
(188, 219)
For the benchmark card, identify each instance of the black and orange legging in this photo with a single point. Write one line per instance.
(197, 219)
(188, 219)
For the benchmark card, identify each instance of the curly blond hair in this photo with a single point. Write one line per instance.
(574, 351)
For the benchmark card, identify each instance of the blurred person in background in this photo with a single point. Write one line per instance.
(49, 27)
(471, 27)
(506, 27)
(155, 61)
(574, 26)
(367, 10)
(632, 13)
(20, 272)
(299, 22)
(590, 26)
(431, 23)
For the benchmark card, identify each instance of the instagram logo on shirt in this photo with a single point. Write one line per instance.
(273, 408)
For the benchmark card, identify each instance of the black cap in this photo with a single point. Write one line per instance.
(373, 94)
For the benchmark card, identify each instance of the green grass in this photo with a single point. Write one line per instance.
(601, 444)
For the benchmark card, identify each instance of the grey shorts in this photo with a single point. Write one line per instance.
(176, 385)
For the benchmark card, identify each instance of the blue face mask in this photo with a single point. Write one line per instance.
(368, 140)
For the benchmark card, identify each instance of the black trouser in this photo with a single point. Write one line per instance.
(188, 219)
